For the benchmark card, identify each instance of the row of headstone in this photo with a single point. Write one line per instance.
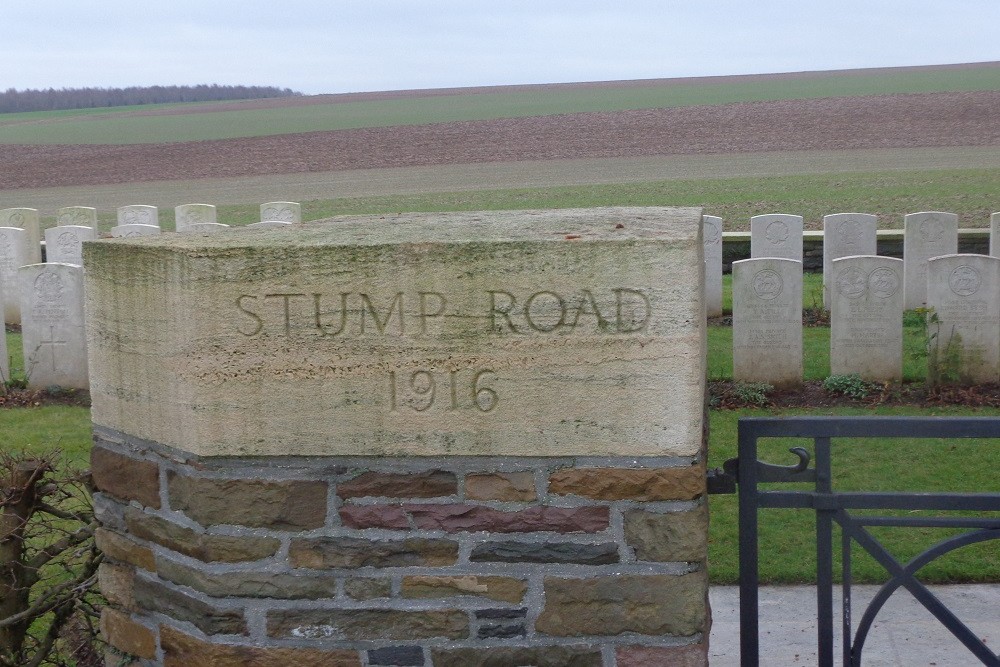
(926, 234)
(866, 319)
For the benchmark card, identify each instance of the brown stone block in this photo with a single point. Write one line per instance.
(455, 518)
(430, 484)
(642, 484)
(362, 624)
(326, 552)
(516, 656)
(368, 589)
(125, 478)
(692, 655)
(502, 486)
(183, 650)
(203, 546)
(124, 549)
(374, 516)
(611, 605)
(155, 597)
(126, 635)
(503, 589)
(284, 505)
(671, 536)
(250, 584)
(117, 585)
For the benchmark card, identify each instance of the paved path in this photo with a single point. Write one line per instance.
(904, 633)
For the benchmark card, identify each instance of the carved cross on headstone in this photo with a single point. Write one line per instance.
(53, 343)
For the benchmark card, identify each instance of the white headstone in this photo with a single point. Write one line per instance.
(193, 214)
(28, 220)
(13, 255)
(285, 211)
(964, 292)
(866, 317)
(133, 231)
(776, 235)
(995, 234)
(925, 235)
(767, 321)
(845, 235)
(52, 332)
(82, 216)
(712, 238)
(138, 214)
(268, 224)
(64, 245)
(204, 228)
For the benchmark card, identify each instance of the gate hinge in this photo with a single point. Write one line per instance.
(723, 480)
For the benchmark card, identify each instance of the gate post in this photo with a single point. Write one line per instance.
(439, 439)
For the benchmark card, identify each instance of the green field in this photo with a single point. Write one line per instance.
(118, 126)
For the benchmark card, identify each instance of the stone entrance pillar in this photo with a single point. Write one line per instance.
(438, 439)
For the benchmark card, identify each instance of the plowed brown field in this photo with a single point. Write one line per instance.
(891, 121)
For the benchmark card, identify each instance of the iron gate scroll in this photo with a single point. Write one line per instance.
(835, 507)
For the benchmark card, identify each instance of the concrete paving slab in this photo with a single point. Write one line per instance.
(904, 633)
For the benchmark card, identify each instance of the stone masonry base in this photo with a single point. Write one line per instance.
(413, 561)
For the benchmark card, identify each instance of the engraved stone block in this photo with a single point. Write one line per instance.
(776, 235)
(866, 318)
(64, 245)
(81, 216)
(925, 235)
(767, 321)
(283, 211)
(14, 253)
(28, 220)
(846, 235)
(501, 333)
(712, 238)
(138, 214)
(55, 347)
(964, 291)
(134, 231)
(193, 214)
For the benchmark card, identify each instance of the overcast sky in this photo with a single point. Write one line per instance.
(332, 46)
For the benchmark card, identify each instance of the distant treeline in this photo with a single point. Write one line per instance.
(13, 100)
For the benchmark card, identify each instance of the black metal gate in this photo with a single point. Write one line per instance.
(835, 507)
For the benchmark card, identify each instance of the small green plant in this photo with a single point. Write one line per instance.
(944, 357)
(752, 393)
(852, 385)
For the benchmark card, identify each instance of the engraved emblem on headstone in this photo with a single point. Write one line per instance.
(17, 220)
(767, 284)
(712, 232)
(883, 283)
(194, 218)
(777, 232)
(131, 235)
(931, 230)
(48, 288)
(964, 281)
(69, 243)
(282, 213)
(852, 282)
(73, 218)
(850, 233)
(137, 217)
